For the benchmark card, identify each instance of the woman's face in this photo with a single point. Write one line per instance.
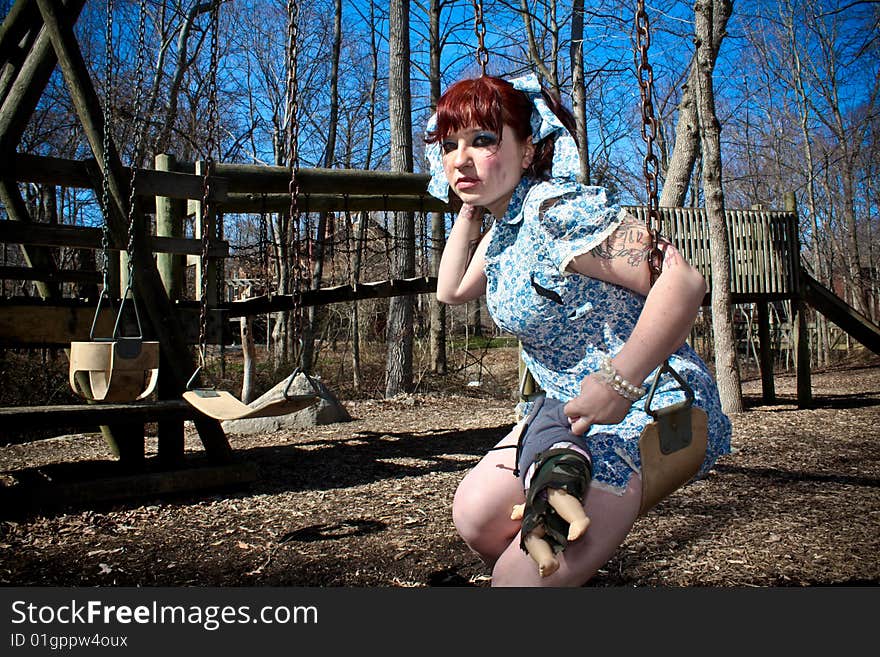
(484, 170)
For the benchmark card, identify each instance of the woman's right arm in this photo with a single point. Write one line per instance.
(460, 277)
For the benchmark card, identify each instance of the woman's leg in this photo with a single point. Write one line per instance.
(611, 519)
(484, 499)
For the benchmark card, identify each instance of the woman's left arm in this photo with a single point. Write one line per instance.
(671, 306)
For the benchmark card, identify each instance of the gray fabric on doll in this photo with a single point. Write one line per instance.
(550, 456)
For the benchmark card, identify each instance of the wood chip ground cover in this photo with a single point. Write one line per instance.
(367, 503)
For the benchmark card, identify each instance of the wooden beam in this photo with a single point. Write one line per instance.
(18, 22)
(256, 203)
(84, 237)
(35, 323)
(49, 275)
(328, 295)
(14, 418)
(83, 174)
(28, 84)
(18, 32)
(240, 187)
(264, 179)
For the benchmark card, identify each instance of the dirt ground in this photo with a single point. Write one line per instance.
(367, 504)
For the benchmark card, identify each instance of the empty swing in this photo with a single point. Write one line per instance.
(120, 368)
(221, 404)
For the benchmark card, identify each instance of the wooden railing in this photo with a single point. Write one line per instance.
(764, 248)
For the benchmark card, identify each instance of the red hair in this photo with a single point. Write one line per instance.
(491, 103)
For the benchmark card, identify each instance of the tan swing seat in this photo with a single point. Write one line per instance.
(671, 453)
(222, 405)
(121, 370)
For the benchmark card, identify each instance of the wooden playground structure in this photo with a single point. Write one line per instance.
(37, 35)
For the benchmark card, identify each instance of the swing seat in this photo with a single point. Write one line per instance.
(672, 449)
(221, 405)
(120, 370)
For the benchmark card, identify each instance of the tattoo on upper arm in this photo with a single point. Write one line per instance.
(629, 241)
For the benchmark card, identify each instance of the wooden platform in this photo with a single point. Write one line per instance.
(78, 485)
(17, 418)
(132, 476)
(126, 422)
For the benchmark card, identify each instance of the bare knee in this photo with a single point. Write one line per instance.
(469, 516)
(481, 522)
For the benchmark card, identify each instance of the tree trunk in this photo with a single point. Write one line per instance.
(687, 136)
(437, 338)
(185, 59)
(822, 341)
(579, 92)
(361, 233)
(726, 364)
(399, 332)
(475, 317)
(548, 73)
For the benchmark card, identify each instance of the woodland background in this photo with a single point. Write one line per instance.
(795, 89)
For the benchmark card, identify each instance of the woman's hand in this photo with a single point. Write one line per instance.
(461, 277)
(468, 212)
(597, 404)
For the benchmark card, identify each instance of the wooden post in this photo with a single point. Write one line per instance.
(799, 319)
(26, 85)
(768, 389)
(169, 223)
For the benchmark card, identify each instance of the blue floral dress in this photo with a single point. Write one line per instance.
(567, 322)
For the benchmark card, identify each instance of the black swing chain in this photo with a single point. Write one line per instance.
(210, 150)
(293, 163)
(138, 129)
(651, 164)
(105, 146)
(480, 31)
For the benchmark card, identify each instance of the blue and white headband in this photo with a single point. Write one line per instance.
(566, 162)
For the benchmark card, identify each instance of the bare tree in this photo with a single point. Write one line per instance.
(437, 337)
(726, 365)
(328, 162)
(686, 147)
(399, 334)
(578, 90)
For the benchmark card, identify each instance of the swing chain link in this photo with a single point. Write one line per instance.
(480, 31)
(293, 186)
(105, 146)
(651, 164)
(210, 149)
(138, 128)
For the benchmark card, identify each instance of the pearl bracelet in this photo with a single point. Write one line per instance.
(617, 383)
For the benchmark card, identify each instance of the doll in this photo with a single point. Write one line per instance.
(555, 468)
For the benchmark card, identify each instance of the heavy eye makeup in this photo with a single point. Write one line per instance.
(481, 139)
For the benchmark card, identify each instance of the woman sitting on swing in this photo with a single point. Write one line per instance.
(567, 272)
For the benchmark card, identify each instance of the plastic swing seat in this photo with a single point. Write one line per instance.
(117, 368)
(120, 368)
(222, 405)
(673, 446)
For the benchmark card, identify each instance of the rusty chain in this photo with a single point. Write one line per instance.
(651, 164)
(138, 131)
(480, 31)
(210, 150)
(293, 186)
(105, 146)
